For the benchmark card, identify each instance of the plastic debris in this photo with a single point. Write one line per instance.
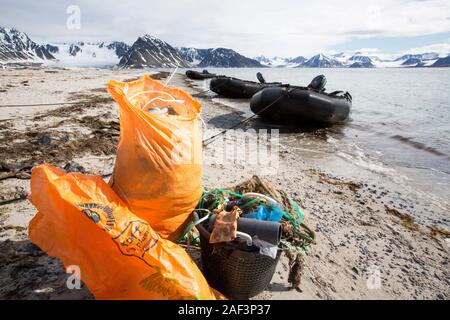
(265, 248)
(225, 226)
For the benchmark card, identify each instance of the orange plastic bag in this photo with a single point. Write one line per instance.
(159, 158)
(84, 223)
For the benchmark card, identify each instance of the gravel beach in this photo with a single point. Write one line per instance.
(368, 243)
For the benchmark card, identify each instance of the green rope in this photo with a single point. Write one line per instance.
(296, 217)
(299, 213)
(190, 226)
(296, 222)
(252, 202)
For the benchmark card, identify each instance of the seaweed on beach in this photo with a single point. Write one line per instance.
(26, 272)
(156, 76)
(436, 230)
(296, 267)
(34, 147)
(53, 143)
(323, 178)
(410, 223)
(87, 101)
(406, 220)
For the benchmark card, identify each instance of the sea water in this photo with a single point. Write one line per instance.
(399, 128)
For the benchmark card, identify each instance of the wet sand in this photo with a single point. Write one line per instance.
(364, 228)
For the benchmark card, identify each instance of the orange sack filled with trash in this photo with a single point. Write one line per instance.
(116, 233)
(83, 222)
(159, 157)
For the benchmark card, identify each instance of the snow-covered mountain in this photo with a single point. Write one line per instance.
(88, 53)
(298, 60)
(442, 62)
(120, 48)
(362, 65)
(360, 61)
(354, 60)
(217, 57)
(417, 60)
(17, 46)
(280, 62)
(227, 58)
(360, 58)
(150, 52)
(273, 62)
(264, 60)
(52, 49)
(193, 55)
(412, 62)
(421, 56)
(321, 61)
(357, 59)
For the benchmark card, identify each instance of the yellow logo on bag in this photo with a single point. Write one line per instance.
(99, 213)
(136, 240)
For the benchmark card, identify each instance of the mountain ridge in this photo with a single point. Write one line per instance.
(16, 45)
(321, 61)
(152, 52)
(217, 57)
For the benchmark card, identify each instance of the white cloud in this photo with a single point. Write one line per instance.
(442, 48)
(283, 27)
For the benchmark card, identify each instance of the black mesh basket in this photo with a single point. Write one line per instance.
(236, 273)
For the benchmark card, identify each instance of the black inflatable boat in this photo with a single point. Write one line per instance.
(236, 88)
(195, 75)
(302, 104)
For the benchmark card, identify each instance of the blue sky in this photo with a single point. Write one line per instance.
(394, 44)
(282, 27)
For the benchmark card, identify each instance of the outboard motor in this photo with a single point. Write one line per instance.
(260, 77)
(318, 83)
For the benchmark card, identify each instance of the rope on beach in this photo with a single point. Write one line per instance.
(24, 197)
(39, 104)
(206, 142)
(9, 201)
(201, 92)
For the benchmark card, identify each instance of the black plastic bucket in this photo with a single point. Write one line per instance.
(238, 274)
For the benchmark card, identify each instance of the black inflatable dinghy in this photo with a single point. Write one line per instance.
(302, 104)
(195, 75)
(236, 88)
